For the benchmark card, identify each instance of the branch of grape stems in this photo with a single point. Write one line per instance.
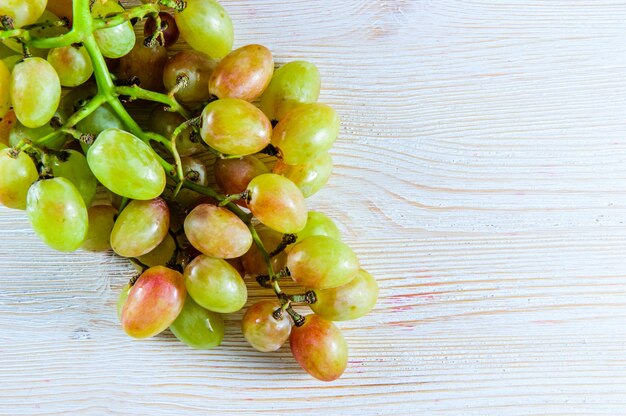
(138, 12)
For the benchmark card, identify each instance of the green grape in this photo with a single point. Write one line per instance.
(217, 232)
(35, 91)
(309, 177)
(103, 118)
(154, 302)
(165, 122)
(305, 133)
(126, 165)
(162, 254)
(264, 332)
(146, 64)
(3, 146)
(196, 68)
(206, 27)
(196, 172)
(294, 83)
(234, 175)
(215, 285)
(5, 97)
(72, 64)
(23, 12)
(121, 300)
(319, 347)
(101, 221)
(5, 51)
(22, 133)
(253, 261)
(277, 203)
(40, 32)
(321, 262)
(57, 213)
(16, 176)
(235, 127)
(318, 224)
(198, 327)
(244, 73)
(350, 301)
(116, 41)
(11, 61)
(140, 227)
(73, 165)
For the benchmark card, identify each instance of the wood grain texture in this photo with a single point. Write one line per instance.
(480, 176)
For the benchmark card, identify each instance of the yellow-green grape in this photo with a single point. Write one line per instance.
(140, 227)
(35, 91)
(116, 41)
(197, 327)
(11, 61)
(121, 300)
(206, 27)
(215, 285)
(17, 173)
(217, 232)
(321, 262)
(317, 224)
(20, 132)
(5, 51)
(277, 202)
(350, 301)
(103, 118)
(162, 254)
(235, 127)
(244, 73)
(72, 64)
(101, 221)
(262, 330)
(309, 177)
(73, 165)
(126, 165)
(5, 97)
(294, 83)
(23, 12)
(305, 133)
(44, 31)
(195, 171)
(57, 213)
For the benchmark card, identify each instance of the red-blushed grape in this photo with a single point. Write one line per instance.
(61, 8)
(161, 254)
(116, 41)
(235, 127)
(73, 165)
(264, 332)
(305, 133)
(215, 285)
(277, 203)
(5, 82)
(317, 223)
(154, 302)
(140, 227)
(197, 327)
(244, 73)
(146, 64)
(234, 175)
(206, 27)
(350, 301)
(294, 83)
(72, 64)
(23, 12)
(195, 171)
(165, 122)
(101, 221)
(217, 232)
(321, 262)
(121, 300)
(310, 177)
(319, 347)
(19, 133)
(195, 68)
(169, 30)
(253, 261)
(16, 176)
(35, 91)
(57, 213)
(126, 165)
(7, 122)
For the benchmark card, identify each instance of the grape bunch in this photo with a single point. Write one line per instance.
(209, 190)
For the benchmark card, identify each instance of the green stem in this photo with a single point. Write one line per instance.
(135, 13)
(138, 93)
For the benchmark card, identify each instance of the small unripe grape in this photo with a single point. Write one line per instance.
(215, 285)
(170, 32)
(244, 73)
(217, 232)
(321, 262)
(197, 327)
(305, 133)
(16, 176)
(73, 166)
(310, 177)
(206, 27)
(72, 64)
(253, 261)
(5, 97)
(277, 203)
(101, 221)
(264, 332)
(194, 69)
(154, 302)
(319, 347)
(350, 301)
(140, 227)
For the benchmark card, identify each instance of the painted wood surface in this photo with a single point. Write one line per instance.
(480, 176)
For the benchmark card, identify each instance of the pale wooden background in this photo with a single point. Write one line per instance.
(480, 176)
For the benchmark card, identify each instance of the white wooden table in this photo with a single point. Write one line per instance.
(480, 176)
